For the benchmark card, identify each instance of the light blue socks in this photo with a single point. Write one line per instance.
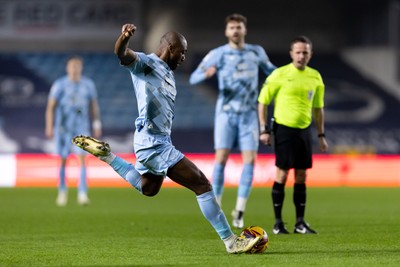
(62, 186)
(127, 171)
(246, 181)
(214, 214)
(82, 186)
(218, 179)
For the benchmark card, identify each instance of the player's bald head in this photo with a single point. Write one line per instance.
(172, 49)
(172, 38)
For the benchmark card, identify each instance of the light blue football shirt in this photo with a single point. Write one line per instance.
(72, 113)
(237, 71)
(155, 91)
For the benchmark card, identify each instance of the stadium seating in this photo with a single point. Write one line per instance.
(350, 99)
(116, 95)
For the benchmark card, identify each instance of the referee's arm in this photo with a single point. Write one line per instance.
(319, 118)
(265, 136)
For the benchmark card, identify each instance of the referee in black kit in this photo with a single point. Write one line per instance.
(298, 93)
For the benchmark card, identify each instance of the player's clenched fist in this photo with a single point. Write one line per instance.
(128, 29)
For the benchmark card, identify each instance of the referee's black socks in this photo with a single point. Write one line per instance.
(278, 195)
(299, 199)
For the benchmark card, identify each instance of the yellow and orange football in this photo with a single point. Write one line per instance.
(255, 231)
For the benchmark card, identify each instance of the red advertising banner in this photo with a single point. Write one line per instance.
(39, 170)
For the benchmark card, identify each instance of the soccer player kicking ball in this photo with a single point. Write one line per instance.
(154, 85)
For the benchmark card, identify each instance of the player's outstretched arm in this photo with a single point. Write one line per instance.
(125, 54)
(206, 69)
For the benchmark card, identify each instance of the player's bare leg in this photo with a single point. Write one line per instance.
(188, 175)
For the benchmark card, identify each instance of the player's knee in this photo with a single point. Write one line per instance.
(150, 191)
(281, 176)
(300, 176)
(203, 186)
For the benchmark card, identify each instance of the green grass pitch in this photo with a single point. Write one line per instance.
(357, 227)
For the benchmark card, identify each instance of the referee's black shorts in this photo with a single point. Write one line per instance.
(293, 148)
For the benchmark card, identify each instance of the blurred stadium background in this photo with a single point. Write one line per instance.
(356, 49)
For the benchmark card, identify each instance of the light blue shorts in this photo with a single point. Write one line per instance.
(64, 146)
(236, 130)
(155, 153)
